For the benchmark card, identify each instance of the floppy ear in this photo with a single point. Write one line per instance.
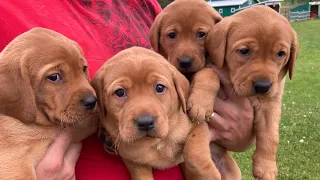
(215, 16)
(216, 43)
(154, 33)
(16, 93)
(293, 54)
(86, 70)
(97, 83)
(182, 85)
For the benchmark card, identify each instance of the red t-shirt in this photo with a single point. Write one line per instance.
(102, 28)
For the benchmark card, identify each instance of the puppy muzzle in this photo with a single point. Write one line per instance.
(89, 101)
(145, 122)
(261, 87)
(185, 62)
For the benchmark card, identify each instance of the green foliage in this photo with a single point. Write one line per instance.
(164, 3)
(298, 153)
(293, 2)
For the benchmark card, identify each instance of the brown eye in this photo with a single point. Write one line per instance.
(85, 68)
(281, 54)
(244, 52)
(201, 35)
(160, 88)
(120, 93)
(172, 35)
(54, 77)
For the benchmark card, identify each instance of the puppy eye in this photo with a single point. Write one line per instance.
(85, 68)
(120, 93)
(281, 54)
(172, 35)
(244, 52)
(160, 88)
(201, 35)
(54, 77)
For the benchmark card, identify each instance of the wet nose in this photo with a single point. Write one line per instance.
(185, 62)
(145, 122)
(261, 87)
(89, 102)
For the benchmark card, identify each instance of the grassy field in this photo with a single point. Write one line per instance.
(299, 151)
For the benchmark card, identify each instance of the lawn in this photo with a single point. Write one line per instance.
(299, 150)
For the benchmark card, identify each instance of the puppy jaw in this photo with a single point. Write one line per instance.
(178, 50)
(243, 81)
(128, 128)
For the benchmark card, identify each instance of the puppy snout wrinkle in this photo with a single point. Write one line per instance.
(262, 87)
(145, 122)
(185, 61)
(89, 101)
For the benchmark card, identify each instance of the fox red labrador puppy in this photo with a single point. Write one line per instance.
(256, 48)
(142, 103)
(178, 33)
(44, 88)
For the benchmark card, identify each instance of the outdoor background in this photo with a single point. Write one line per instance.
(164, 3)
(298, 156)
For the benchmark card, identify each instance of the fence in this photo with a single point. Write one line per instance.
(299, 15)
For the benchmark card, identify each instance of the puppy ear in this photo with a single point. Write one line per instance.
(154, 33)
(182, 85)
(216, 43)
(215, 16)
(86, 70)
(293, 54)
(97, 83)
(16, 94)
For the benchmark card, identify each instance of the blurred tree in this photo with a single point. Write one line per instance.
(164, 3)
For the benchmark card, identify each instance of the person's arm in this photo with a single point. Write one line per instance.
(60, 159)
(232, 123)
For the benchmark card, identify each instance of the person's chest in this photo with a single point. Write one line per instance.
(102, 28)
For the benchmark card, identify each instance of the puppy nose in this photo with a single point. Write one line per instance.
(89, 102)
(185, 62)
(261, 87)
(145, 122)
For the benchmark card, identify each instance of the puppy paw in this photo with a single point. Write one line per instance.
(200, 106)
(264, 169)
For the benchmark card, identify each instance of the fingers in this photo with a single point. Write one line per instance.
(220, 106)
(60, 145)
(216, 123)
(73, 153)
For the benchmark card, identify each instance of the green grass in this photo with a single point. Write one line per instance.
(299, 150)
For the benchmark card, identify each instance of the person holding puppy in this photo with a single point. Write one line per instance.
(103, 28)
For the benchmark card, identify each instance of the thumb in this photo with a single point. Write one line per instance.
(60, 145)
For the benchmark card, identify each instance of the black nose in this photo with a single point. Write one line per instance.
(185, 62)
(89, 102)
(261, 87)
(145, 122)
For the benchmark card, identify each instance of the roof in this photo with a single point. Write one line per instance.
(226, 3)
(269, 2)
(314, 3)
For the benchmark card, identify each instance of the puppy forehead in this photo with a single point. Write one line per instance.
(266, 30)
(188, 13)
(137, 64)
(40, 47)
(143, 68)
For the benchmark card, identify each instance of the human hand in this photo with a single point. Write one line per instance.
(232, 123)
(60, 159)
